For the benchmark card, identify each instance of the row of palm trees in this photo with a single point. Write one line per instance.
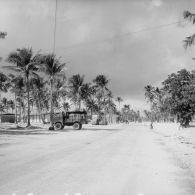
(28, 66)
(39, 80)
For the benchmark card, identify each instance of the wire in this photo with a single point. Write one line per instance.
(153, 28)
(55, 22)
(122, 35)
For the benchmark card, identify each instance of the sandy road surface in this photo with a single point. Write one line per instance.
(121, 160)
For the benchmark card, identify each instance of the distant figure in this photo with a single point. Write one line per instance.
(151, 125)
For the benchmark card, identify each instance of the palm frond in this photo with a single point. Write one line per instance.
(3, 77)
(13, 68)
(61, 67)
(189, 41)
(32, 66)
(35, 75)
(119, 99)
(60, 74)
(26, 55)
(14, 58)
(190, 16)
(51, 66)
(12, 76)
(3, 35)
(101, 81)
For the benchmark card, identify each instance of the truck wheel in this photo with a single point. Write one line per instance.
(77, 126)
(58, 126)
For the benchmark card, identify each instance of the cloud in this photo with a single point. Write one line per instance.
(156, 3)
(150, 4)
(96, 37)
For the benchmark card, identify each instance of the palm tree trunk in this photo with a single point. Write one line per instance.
(40, 110)
(109, 111)
(20, 109)
(79, 104)
(99, 110)
(91, 113)
(1, 108)
(104, 104)
(28, 99)
(51, 103)
(15, 110)
(75, 105)
(24, 114)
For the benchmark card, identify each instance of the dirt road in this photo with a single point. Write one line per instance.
(119, 160)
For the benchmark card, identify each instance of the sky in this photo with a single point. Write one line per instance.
(133, 42)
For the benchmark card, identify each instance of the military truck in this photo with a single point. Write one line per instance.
(74, 118)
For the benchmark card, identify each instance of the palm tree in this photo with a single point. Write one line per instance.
(101, 83)
(26, 64)
(92, 106)
(189, 41)
(38, 94)
(60, 92)
(126, 111)
(76, 82)
(3, 85)
(119, 100)
(89, 98)
(87, 92)
(110, 105)
(53, 69)
(17, 87)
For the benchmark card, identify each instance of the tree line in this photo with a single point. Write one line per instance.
(39, 81)
(176, 97)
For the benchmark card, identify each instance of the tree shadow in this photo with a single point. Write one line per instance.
(40, 131)
(15, 132)
(86, 129)
(100, 129)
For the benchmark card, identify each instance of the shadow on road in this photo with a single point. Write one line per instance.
(11, 132)
(86, 129)
(100, 129)
(44, 131)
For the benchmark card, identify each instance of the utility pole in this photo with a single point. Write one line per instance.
(1, 109)
(54, 45)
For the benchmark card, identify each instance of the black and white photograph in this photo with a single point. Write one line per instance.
(97, 97)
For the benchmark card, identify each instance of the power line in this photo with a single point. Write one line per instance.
(153, 28)
(122, 35)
